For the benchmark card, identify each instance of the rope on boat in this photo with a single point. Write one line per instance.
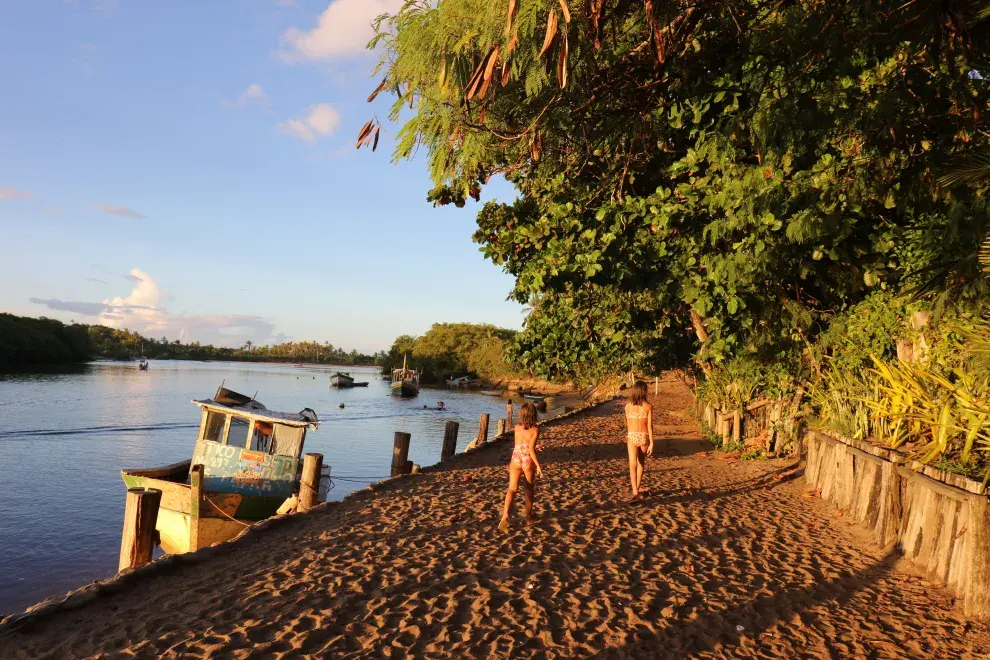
(224, 513)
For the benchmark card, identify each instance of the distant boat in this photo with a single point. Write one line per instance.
(459, 382)
(534, 397)
(492, 392)
(405, 382)
(341, 379)
(250, 457)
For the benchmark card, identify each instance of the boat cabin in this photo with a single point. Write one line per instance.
(244, 449)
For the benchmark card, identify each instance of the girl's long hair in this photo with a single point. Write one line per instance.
(637, 394)
(527, 415)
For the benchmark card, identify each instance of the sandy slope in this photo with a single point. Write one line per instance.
(418, 570)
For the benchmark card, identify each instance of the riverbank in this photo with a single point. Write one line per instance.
(724, 557)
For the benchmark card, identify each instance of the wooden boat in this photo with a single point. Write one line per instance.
(534, 397)
(405, 382)
(341, 379)
(492, 392)
(459, 382)
(247, 462)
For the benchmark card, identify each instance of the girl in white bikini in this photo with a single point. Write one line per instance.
(523, 463)
(639, 442)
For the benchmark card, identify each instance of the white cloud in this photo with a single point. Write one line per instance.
(122, 211)
(253, 93)
(8, 194)
(141, 311)
(344, 28)
(320, 120)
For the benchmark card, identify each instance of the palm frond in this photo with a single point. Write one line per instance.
(972, 169)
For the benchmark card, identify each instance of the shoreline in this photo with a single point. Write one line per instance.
(723, 557)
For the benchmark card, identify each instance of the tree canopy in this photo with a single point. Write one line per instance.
(700, 179)
(456, 349)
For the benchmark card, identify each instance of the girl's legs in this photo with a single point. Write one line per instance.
(640, 465)
(514, 472)
(530, 487)
(634, 467)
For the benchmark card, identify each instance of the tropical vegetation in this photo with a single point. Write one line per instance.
(764, 194)
(454, 349)
(30, 341)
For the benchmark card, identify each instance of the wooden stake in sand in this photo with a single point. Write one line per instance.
(195, 501)
(137, 542)
(656, 386)
(449, 440)
(508, 415)
(400, 453)
(500, 428)
(483, 429)
(309, 487)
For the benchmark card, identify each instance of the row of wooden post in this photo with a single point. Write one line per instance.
(400, 444)
(724, 424)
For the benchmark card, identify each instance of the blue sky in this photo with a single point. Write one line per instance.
(188, 169)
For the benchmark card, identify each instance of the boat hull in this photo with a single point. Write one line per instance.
(222, 516)
(406, 388)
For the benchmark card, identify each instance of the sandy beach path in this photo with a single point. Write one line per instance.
(722, 559)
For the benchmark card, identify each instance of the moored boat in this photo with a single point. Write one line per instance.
(341, 379)
(459, 382)
(492, 392)
(245, 464)
(405, 382)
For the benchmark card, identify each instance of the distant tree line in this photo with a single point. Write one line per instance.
(38, 341)
(454, 349)
(26, 341)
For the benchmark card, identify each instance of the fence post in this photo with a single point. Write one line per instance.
(138, 540)
(309, 487)
(196, 495)
(483, 429)
(737, 425)
(449, 440)
(656, 386)
(508, 415)
(400, 453)
(500, 428)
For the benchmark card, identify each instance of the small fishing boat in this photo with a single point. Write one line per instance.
(247, 463)
(459, 382)
(405, 382)
(492, 392)
(534, 397)
(341, 379)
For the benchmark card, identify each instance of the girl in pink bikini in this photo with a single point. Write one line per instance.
(639, 442)
(523, 463)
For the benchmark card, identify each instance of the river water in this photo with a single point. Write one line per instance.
(64, 438)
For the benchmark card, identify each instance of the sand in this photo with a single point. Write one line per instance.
(722, 559)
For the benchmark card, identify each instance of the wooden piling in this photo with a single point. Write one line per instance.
(737, 425)
(195, 501)
(309, 487)
(449, 440)
(508, 415)
(976, 602)
(483, 429)
(500, 428)
(656, 386)
(400, 453)
(138, 540)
